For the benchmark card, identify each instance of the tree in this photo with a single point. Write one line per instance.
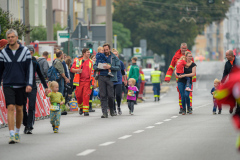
(7, 21)
(158, 21)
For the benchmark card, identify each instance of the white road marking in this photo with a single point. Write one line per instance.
(166, 120)
(174, 116)
(149, 127)
(125, 137)
(106, 144)
(163, 96)
(84, 153)
(139, 131)
(159, 123)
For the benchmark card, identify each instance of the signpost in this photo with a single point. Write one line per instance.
(62, 36)
(137, 51)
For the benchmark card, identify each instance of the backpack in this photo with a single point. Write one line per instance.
(53, 73)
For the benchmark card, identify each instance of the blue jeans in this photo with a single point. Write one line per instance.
(184, 94)
(187, 78)
(156, 89)
(61, 86)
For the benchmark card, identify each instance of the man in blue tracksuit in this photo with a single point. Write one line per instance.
(16, 71)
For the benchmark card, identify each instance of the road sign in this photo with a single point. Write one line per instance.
(62, 36)
(127, 52)
(137, 51)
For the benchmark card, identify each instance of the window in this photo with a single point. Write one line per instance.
(101, 2)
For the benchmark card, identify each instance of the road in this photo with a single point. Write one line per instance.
(155, 131)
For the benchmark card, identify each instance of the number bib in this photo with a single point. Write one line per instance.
(55, 107)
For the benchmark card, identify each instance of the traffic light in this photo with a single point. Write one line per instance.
(90, 46)
(211, 1)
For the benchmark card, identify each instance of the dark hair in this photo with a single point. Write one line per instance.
(68, 62)
(93, 56)
(45, 53)
(135, 58)
(59, 53)
(106, 44)
(85, 50)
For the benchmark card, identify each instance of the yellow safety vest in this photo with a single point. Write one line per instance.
(142, 77)
(155, 76)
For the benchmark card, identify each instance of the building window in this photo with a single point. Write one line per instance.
(101, 2)
(36, 12)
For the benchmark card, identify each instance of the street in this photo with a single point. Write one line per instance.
(155, 131)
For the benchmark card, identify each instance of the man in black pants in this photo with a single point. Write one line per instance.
(106, 82)
(29, 118)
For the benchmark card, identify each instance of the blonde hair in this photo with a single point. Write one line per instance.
(217, 81)
(187, 53)
(114, 50)
(182, 58)
(51, 84)
(98, 49)
(92, 56)
(132, 80)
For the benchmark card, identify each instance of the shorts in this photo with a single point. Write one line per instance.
(15, 96)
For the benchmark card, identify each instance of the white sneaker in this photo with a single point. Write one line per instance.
(131, 113)
(188, 89)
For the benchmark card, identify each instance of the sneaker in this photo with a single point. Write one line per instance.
(183, 112)
(158, 98)
(56, 130)
(112, 113)
(155, 99)
(81, 111)
(110, 74)
(11, 140)
(180, 111)
(115, 113)
(104, 116)
(188, 89)
(231, 110)
(29, 131)
(220, 111)
(86, 114)
(214, 113)
(96, 77)
(53, 127)
(119, 111)
(25, 130)
(190, 111)
(131, 113)
(17, 138)
(92, 110)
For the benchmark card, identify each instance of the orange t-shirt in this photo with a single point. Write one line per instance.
(232, 61)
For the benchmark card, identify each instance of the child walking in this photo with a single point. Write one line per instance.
(181, 63)
(131, 96)
(215, 105)
(101, 58)
(56, 99)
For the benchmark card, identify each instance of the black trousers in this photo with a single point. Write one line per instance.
(29, 118)
(90, 101)
(106, 91)
(117, 95)
(131, 105)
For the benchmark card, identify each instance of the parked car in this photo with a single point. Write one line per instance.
(147, 73)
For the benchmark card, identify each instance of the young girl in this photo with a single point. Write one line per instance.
(57, 100)
(131, 96)
(215, 105)
(181, 63)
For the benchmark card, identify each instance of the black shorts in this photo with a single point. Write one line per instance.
(15, 96)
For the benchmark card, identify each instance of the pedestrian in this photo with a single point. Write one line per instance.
(215, 105)
(118, 85)
(16, 72)
(3, 44)
(56, 99)
(228, 65)
(70, 88)
(44, 66)
(101, 58)
(131, 96)
(93, 58)
(178, 54)
(29, 115)
(106, 82)
(59, 66)
(134, 73)
(189, 71)
(83, 80)
(156, 80)
(142, 84)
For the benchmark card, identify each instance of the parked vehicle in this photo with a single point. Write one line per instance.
(147, 73)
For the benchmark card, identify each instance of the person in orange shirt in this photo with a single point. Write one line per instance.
(83, 80)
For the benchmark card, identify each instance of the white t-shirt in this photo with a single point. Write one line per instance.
(14, 52)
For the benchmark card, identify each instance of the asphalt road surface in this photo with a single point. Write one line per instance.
(155, 131)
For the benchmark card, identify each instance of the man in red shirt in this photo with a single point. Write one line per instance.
(83, 80)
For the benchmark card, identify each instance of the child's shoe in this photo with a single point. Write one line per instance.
(56, 130)
(17, 137)
(214, 113)
(53, 127)
(220, 111)
(11, 140)
(188, 89)
(110, 74)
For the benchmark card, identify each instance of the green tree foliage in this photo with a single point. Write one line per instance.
(7, 21)
(123, 36)
(158, 21)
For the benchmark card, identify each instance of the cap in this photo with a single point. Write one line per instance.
(30, 47)
(3, 42)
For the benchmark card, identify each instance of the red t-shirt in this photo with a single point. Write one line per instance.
(180, 66)
(85, 75)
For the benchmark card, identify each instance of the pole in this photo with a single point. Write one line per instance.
(109, 22)
(115, 41)
(8, 5)
(27, 36)
(93, 11)
(69, 22)
(49, 21)
(79, 37)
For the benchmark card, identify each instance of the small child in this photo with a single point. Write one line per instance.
(215, 105)
(101, 58)
(131, 96)
(56, 99)
(181, 63)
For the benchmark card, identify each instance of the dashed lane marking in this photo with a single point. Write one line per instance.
(87, 152)
(149, 127)
(106, 144)
(139, 131)
(125, 137)
(174, 116)
(166, 120)
(159, 123)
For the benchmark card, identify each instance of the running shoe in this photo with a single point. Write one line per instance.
(104, 116)
(53, 127)
(188, 89)
(220, 111)
(11, 140)
(180, 111)
(86, 114)
(56, 130)
(119, 111)
(115, 113)
(183, 112)
(81, 111)
(214, 113)
(131, 113)
(17, 137)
